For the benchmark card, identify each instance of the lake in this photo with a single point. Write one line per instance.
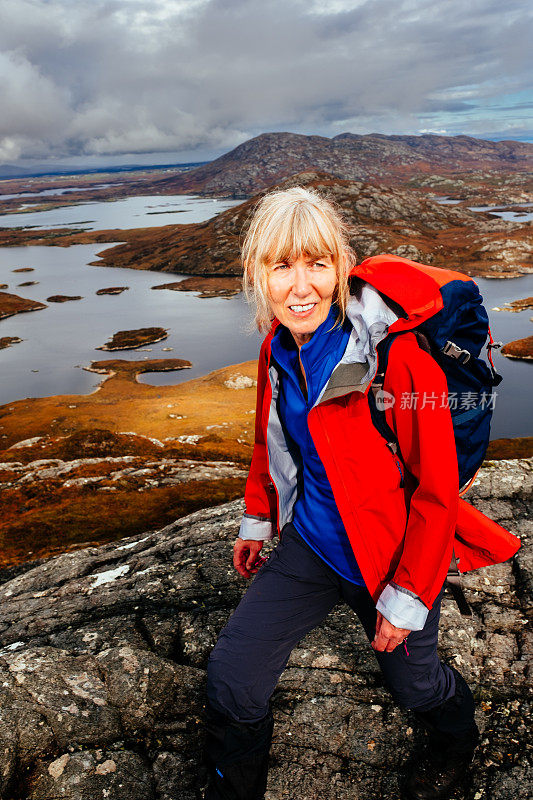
(148, 211)
(212, 333)
(57, 191)
(512, 216)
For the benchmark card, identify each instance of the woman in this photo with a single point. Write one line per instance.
(351, 525)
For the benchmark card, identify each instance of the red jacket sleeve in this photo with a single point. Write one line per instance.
(259, 495)
(422, 422)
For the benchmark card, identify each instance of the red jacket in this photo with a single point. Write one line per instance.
(403, 536)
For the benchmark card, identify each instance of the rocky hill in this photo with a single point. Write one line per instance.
(383, 219)
(270, 157)
(103, 656)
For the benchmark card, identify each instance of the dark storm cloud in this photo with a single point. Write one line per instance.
(132, 76)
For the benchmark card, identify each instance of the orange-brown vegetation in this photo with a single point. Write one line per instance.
(207, 287)
(11, 304)
(204, 406)
(113, 290)
(519, 305)
(521, 447)
(7, 341)
(207, 420)
(204, 419)
(520, 348)
(44, 520)
(63, 298)
(128, 340)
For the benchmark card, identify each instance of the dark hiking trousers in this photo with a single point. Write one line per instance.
(290, 595)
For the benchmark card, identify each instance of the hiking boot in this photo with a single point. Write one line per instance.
(434, 777)
(453, 738)
(237, 757)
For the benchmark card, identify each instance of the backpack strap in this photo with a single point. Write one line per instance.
(377, 413)
(453, 580)
(375, 396)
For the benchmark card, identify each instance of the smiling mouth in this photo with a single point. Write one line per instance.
(302, 309)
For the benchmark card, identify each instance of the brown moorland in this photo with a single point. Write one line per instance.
(519, 305)
(63, 298)
(207, 287)
(129, 340)
(519, 348)
(113, 290)
(208, 420)
(87, 469)
(7, 341)
(11, 304)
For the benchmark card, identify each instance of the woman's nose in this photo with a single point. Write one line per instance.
(302, 284)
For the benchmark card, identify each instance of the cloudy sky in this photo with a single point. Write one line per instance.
(158, 81)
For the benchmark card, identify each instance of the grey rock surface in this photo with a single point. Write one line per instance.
(102, 671)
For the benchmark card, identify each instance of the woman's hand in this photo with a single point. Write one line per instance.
(388, 636)
(245, 556)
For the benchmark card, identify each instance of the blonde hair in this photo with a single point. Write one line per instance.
(286, 224)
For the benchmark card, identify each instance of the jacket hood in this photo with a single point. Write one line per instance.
(414, 287)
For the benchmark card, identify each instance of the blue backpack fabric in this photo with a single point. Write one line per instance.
(454, 336)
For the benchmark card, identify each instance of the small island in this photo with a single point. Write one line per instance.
(519, 305)
(11, 304)
(63, 298)
(215, 286)
(130, 340)
(113, 290)
(519, 348)
(7, 341)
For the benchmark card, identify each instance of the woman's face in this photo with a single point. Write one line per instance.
(300, 292)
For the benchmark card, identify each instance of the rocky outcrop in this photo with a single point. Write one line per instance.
(103, 656)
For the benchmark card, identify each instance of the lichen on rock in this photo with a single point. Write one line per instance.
(102, 681)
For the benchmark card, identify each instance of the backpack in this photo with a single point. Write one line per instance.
(454, 336)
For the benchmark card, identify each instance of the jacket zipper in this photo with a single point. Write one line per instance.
(341, 481)
(272, 485)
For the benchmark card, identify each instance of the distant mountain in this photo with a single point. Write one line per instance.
(270, 157)
(9, 171)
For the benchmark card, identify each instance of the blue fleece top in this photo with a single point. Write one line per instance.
(316, 517)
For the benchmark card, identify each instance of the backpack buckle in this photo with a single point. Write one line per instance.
(454, 351)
